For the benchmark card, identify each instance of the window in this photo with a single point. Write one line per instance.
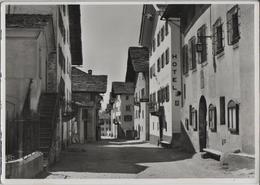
(128, 108)
(187, 123)
(162, 60)
(153, 45)
(184, 91)
(222, 110)
(162, 33)
(233, 117)
(126, 97)
(142, 93)
(142, 113)
(158, 65)
(128, 118)
(218, 37)
(185, 59)
(201, 34)
(194, 119)
(166, 28)
(167, 55)
(233, 25)
(212, 118)
(158, 39)
(192, 53)
(167, 93)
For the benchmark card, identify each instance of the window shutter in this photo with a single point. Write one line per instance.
(190, 55)
(215, 119)
(190, 114)
(222, 110)
(237, 119)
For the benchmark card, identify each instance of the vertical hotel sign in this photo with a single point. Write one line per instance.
(175, 77)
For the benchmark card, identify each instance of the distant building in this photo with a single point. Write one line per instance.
(163, 40)
(122, 112)
(217, 75)
(138, 73)
(38, 78)
(105, 123)
(86, 90)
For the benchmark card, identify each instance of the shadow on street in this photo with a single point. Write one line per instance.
(113, 156)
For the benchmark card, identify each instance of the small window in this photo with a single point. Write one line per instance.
(233, 117)
(194, 119)
(185, 59)
(201, 34)
(142, 93)
(167, 56)
(158, 65)
(192, 53)
(128, 118)
(126, 97)
(162, 60)
(187, 123)
(162, 33)
(212, 118)
(218, 37)
(166, 28)
(128, 108)
(233, 25)
(158, 39)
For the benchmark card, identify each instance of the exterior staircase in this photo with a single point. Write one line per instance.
(46, 110)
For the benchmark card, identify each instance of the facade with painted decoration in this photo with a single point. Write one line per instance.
(217, 75)
(163, 40)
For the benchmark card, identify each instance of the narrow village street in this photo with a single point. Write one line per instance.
(135, 159)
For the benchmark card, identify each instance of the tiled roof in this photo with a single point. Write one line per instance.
(139, 56)
(84, 82)
(122, 88)
(27, 20)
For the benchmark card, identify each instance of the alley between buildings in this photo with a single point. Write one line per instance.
(135, 159)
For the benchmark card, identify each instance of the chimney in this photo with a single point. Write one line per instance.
(90, 72)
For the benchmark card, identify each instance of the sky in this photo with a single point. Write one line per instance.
(107, 32)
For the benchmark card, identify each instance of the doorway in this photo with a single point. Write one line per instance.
(202, 123)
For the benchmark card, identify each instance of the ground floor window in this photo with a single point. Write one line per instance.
(194, 119)
(233, 117)
(212, 118)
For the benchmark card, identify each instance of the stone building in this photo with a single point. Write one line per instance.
(163, 40)
(138, 73)
(86, 90)
(217, 107)
(122, 111)
(38, 78)
(105, 123)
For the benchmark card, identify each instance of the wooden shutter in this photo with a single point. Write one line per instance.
(222, 110)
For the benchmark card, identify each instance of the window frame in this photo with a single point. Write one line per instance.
(201, 39)
(235, 10)
(158, 39)
(162, 61)
(167, 56)
(162, 33)
(216, 39)
(192, 53)
(185, 59)
(233, 106)
(212, 118)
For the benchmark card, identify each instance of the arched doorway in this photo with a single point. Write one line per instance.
(202, 123)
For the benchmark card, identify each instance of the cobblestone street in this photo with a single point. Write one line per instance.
(133, 159)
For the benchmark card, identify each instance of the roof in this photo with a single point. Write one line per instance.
(27, 20)
(84, 82)
(139, 57)
(75, 34)
(122, 88)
